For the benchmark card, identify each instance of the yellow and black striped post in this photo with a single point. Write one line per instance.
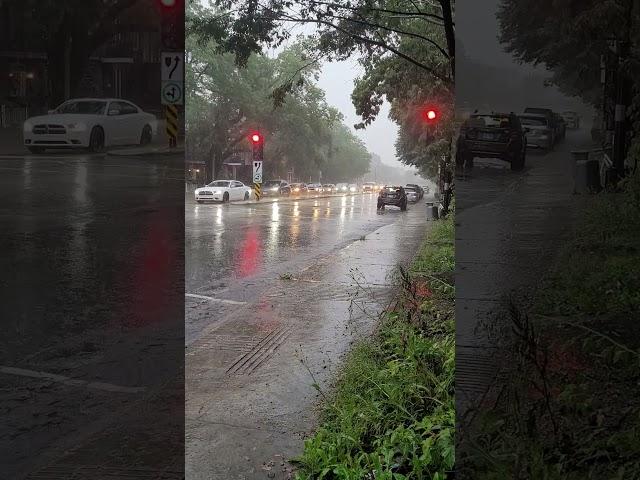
(171, 115)
(257, 189)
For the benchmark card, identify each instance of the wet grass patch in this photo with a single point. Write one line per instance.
(570, 408)
(391, 413)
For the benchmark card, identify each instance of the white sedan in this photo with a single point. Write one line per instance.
(93, 123)
(223, 191)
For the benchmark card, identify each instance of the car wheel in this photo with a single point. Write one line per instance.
(246, 195)
(96, 140)
(146, 135)
(225, 197)
(35, 150)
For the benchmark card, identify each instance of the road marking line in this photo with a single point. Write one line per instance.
(212, 299)
(108, 387)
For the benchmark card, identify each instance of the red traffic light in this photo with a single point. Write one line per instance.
(256, 138)
(431, 115)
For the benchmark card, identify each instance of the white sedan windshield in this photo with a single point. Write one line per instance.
(87, 107)
(219, 183)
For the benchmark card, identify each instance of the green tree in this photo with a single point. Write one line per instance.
(407, 49)
(277, 96)
(71, 31)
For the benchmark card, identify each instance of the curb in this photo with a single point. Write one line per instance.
(153, 153)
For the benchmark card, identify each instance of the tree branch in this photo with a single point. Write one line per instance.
(369, 41)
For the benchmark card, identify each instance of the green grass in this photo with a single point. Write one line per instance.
(571, 410)
(391, 414)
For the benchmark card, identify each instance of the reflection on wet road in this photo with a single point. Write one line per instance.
(90, 279)
(277, 293)
(232, 251)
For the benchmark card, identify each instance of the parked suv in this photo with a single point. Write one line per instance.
(395, 196)
(276, 188)
(493, 135)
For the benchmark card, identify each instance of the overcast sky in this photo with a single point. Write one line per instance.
(379, 137)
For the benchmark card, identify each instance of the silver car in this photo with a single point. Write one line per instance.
(537, 130)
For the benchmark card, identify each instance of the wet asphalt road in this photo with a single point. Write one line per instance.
(509, 225)
(276, 294)
(91, 308)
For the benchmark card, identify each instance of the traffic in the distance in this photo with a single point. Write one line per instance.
(226, 191)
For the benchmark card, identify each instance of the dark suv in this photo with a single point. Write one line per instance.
(395, 196)
(493, 135)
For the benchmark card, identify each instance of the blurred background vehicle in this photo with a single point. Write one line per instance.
(276, 188)
(342, 187)
(394, 196)
(571, 119)
(412, 194)
(537, 131)
(299, 188)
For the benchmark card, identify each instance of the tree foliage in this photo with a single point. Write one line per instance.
(276, 96)
(71, 31)
(566, 36)
(406, 48)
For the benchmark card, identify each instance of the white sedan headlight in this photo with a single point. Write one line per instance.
(77, 127)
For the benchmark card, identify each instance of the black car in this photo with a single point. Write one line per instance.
(492, 135)
(275, 188)
(395, 196)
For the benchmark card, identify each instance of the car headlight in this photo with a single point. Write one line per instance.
(217, 192)
(274, 189)
(296, 189)
(77, 127)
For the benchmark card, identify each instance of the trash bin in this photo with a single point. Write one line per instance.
(587, 177)
(586, 173)
(432, 211)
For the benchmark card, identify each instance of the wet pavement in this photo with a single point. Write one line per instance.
(508, 228)
(92, 319)
(276, 294)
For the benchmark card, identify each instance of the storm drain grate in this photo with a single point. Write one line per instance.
(260, 353)
(475, 372)
(96, 472)
(227, 343)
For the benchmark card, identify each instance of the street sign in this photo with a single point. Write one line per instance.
(172, 65)
(257, 172)
(172, 93)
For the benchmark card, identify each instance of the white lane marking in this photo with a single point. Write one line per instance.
(108, 387)
(212, 299)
